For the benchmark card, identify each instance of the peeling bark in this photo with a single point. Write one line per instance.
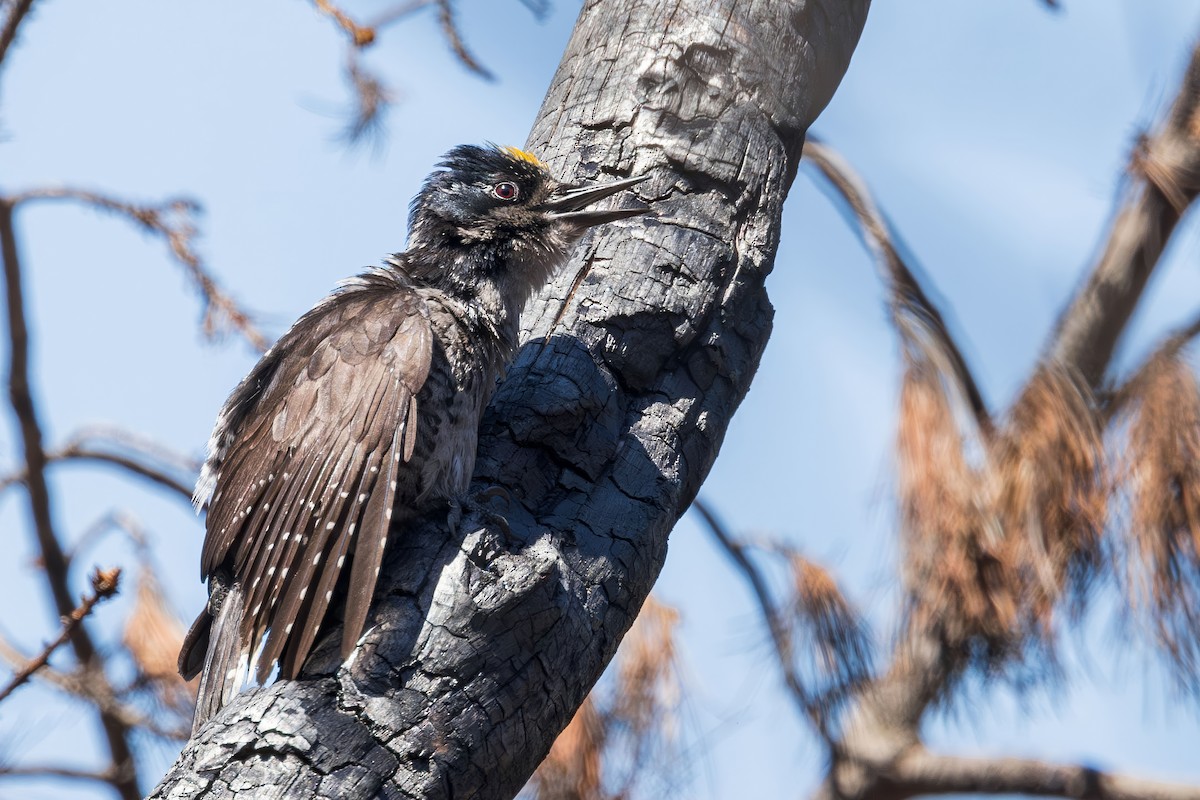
(486, 640)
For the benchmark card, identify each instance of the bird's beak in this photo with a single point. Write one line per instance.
(569, 203)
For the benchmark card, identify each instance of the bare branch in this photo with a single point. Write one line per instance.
(923, 773)
(398, 12)
(1166, 179)
(104, 586)
(907, 299)
(830, 632)
(8, 34)
(144, 459)
(450, 28)
(46, 771)
(360, 35)
(53, 558)
(780, 636)
(173, 220)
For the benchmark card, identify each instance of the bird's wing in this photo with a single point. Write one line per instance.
(309, 475)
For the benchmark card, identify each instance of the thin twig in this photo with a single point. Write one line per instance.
(906, 293)
(398, 12)
(53, 558)
(360, 35)
(139, 460)
(104, 586)
(450, 28)
(173, 221)
(372, 99)
(8, 34)
(46, 771)
(98, 693)
(758, 584)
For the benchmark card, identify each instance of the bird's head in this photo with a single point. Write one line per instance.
(497, 214)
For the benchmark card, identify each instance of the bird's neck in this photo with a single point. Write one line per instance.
(479, 298)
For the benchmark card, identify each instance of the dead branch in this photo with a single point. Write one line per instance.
(360, 35)
(104, 586)
(921, 773)
(8, 34)
(780, 637)
(371, 100)
(907, 299)
(173, 220)
(45, 771)
(450, 29)
(53, 559)
(125, 451)
(397, 13)
(1165, 178)
(884, 723)
(97, 692)
(830, 631)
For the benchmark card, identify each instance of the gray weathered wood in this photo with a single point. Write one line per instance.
(486, 641)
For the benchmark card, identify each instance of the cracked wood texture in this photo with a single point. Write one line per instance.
(486, 637)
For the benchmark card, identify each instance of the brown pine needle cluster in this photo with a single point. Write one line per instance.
(1159, 468)
(647, 689)
(832, 636)
(153, 636)
(999, 542)
(953, 569)
(1051, 493)
(571, 770)
(618, 736)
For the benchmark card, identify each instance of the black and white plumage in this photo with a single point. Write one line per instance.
(366, 413)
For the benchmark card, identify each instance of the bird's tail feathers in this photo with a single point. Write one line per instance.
(224, 667)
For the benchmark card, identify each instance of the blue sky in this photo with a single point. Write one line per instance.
(992, 131)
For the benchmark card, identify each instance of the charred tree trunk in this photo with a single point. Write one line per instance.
(485, 641)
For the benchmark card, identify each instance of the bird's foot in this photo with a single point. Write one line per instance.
(480, 504)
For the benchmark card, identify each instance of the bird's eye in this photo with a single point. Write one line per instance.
(506, 190)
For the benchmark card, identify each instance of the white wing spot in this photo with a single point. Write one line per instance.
(341, 560)
(328, 595)
(374, 469)
(283, 574)
(256, 609)
(287, 535)
(383, 540)
(377, 572)
(270, 571)
(387, 513)
(330, 526)
(344, 495)
(288, 629)
(303, 591)
(316, 559)
(362, 497)
(270, 546)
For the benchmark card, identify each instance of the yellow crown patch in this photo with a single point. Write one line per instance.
(524, 155)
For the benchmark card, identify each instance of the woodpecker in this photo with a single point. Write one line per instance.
(366, 413)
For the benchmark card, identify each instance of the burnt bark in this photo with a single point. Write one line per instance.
(486, 637)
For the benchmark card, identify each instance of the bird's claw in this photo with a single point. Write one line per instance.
(477, 504)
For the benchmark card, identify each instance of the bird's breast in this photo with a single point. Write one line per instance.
(466, 362)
